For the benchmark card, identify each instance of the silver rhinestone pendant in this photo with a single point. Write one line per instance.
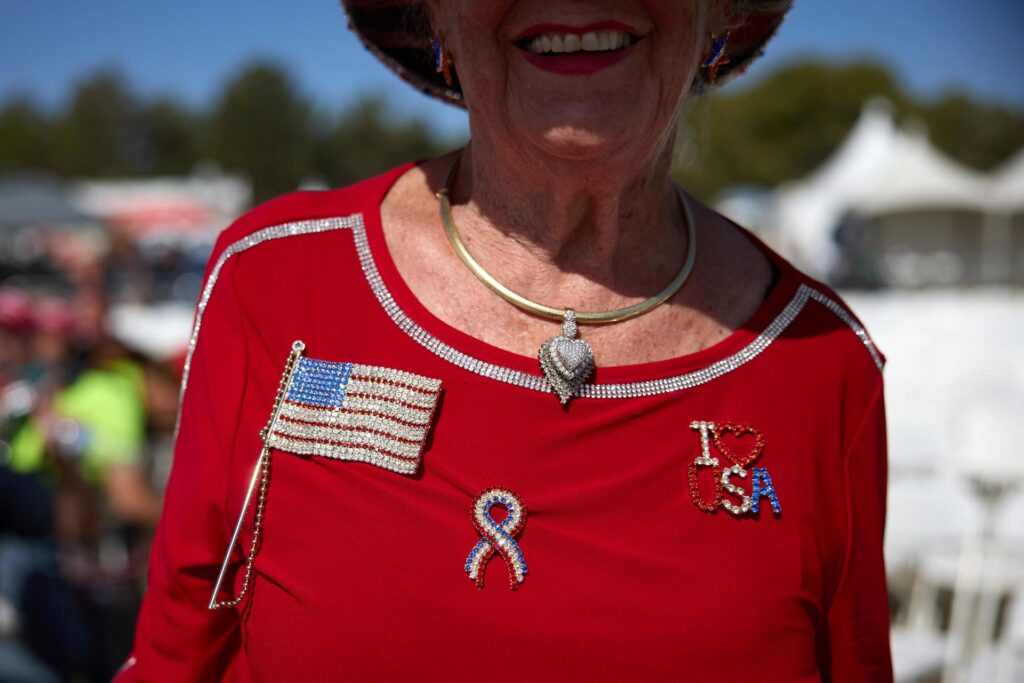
(567, 361)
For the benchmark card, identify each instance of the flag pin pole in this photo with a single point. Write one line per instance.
(260, 473)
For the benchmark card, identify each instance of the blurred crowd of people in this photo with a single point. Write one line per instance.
(86, 425)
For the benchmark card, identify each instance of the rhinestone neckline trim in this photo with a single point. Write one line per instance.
(619, 390)
(500, 373)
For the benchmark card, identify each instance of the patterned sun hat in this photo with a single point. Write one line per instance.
(398, 33)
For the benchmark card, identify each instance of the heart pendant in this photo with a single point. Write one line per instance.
(567, 362)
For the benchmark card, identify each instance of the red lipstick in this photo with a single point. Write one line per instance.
(578, 63)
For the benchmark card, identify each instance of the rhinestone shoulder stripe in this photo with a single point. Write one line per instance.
(843, 314)
(497, 372)
(249, 241)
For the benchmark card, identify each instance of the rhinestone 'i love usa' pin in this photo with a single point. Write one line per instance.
(722, 476)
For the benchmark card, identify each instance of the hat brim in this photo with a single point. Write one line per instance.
(398, 33)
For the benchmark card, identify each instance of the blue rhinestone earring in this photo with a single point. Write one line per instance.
(716, 56)
(442, 60)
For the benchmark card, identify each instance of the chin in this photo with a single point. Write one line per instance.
(574, 143)
(584, 126)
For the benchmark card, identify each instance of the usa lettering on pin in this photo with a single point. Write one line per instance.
(723, 476)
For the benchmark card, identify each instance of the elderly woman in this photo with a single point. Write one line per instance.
(534, 413)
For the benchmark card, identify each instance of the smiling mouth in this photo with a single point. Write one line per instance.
(577, 51)
(563, 42)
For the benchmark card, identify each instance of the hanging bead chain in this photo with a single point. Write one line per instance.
(264, 467)
(257, 528)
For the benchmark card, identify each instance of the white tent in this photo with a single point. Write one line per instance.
(918, 176)
(1008, 185)
(879, 169)
(805, 212)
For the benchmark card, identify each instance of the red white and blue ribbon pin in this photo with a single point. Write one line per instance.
(497, 537)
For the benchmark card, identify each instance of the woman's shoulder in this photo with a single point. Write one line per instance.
(816, 313)
(829, 311)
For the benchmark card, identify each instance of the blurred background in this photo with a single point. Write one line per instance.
(879, 145)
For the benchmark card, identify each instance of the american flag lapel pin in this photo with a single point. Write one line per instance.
(344, 411)
(349, 411)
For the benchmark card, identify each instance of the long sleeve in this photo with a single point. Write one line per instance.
(177, 637)
(858, 616)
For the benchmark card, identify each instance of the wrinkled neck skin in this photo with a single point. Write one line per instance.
(605, 228)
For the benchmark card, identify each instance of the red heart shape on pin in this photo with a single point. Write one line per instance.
(737, 434)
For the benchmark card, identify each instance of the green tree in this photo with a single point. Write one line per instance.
(367, 140)
(261, 127)
(785, 125)
(776, 128)
(973, 132)
(24, 136)
(780, 128)
(99, 134)
(170, 133)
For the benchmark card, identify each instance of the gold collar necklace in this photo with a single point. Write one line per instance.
(566, 360)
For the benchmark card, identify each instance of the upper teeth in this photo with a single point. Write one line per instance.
(592, 41)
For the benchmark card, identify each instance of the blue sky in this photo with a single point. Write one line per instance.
(189, 48)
